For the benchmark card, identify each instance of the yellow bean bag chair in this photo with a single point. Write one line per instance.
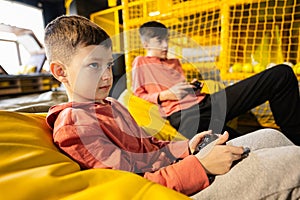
(31, 167)
(148, 117)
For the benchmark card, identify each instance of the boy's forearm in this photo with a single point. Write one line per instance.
(186, 176)
(163, 96)
(151, 97)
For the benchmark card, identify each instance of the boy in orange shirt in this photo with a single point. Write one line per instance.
(160, 80)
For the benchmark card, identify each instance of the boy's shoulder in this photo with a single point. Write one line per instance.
(84, 113)
(55, 111)
(137, 58)
(153, 59)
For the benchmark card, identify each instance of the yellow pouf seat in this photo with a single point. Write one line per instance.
(31, 167)
(147, 116)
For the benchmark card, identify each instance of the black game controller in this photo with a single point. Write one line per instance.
(246, 152)
(197, 84)
(244, 155)
(212, 137)
(205, 141)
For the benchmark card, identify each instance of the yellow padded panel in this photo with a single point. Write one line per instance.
(211, 86)
(147, 116)
(31, 167)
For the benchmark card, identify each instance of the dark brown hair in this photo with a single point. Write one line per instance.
(65, 34)
(153, 29)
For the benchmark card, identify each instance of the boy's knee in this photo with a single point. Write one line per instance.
(283, 70)
(283, 74)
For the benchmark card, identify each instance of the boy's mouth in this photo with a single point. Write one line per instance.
(105, 87)
(164, 54)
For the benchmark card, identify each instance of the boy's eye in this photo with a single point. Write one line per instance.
(163, 40)
(94, 65)
(97, 66)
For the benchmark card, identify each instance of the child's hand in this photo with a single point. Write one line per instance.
(219, 159)
(197, 90)
(196, 140)
(176, 92)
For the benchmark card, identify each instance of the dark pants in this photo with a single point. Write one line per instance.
(278, 85)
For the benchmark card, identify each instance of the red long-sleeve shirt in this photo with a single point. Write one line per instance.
(152, 75)
(106, 136)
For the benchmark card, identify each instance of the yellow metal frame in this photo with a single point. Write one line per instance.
(109, 20)
(170, 13)
(67, 6)
(173, 13)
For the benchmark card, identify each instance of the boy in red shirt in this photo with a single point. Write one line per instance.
(160, 80)
(98, 132)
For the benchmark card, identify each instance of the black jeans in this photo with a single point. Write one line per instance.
(278, 85)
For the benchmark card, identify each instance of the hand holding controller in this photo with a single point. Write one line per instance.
(205, 141)
(212, 137)
(197, 84)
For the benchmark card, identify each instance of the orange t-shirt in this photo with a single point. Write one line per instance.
(106, 136)
(151, 75)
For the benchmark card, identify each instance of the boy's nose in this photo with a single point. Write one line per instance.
(164, 45)
(106, 74)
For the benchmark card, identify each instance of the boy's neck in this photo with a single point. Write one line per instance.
(155, 56)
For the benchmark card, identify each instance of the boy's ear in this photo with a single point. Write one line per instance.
(145, 44)
(58, 71)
